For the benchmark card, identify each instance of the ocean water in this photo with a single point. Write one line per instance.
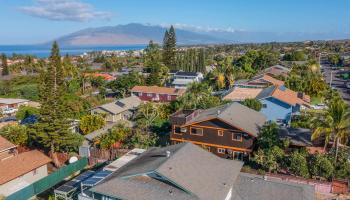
(44, 51)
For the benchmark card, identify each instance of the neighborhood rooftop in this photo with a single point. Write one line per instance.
(12, 101)
(5, 144)
(21, 164)
(255, 187)
(285, 95)
(235, 114)
(158, 90)
(172, 173)
(121, 105)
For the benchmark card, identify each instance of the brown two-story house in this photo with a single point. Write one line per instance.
(229, 130)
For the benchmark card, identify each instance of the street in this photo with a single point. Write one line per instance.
(337, 82)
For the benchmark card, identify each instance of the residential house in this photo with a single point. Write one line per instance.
(121, 109)
(182, 79)
(228, 131)
(277, 70)
(6, 103)
(280, 103)
(20, 170)
(187, 172)
(242, 93)
(7, 149)
(106, 77)
(301, 138)
(157, 94)
(260, 81)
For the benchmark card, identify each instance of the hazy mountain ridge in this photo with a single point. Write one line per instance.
(131, 34)
(134, 33)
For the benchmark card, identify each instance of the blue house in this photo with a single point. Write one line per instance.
(280, 103)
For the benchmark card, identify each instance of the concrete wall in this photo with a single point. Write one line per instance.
(22, 181)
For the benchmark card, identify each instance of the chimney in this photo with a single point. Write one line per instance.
(167, 154)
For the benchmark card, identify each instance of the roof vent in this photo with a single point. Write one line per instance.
(167, 154)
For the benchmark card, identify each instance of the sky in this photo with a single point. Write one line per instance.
(37, 21)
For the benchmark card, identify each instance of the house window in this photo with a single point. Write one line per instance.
(35, 171)
(149, 94)
(237, 155)
(264, 105)
(169, 97)
(177, 130)
(140, 94)
(220, 132)
(237, 137)
(197, 131)
(221, 150)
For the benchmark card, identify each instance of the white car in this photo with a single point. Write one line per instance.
(9, 111)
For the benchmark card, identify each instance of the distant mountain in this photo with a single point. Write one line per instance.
(131, 34)
(134, 33)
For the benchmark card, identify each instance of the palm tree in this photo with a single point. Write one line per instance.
(333, 124)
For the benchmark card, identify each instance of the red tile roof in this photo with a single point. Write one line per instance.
(106, 77)
(272, 80)
(289, 96)
(158, 90)
(21, 164)
(5, 144)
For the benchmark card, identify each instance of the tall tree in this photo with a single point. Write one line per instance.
(333, 124)
(52, 131)
(169, 47)
(5, 69)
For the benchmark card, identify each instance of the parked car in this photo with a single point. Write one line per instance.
(9, 111)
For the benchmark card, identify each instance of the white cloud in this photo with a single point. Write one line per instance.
(201, 28)
(64, 10)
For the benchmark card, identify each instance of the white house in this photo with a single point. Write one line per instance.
(182, 79)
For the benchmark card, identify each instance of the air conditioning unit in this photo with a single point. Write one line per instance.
(183, 130)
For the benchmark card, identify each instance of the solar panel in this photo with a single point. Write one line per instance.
(74, 183)
(99, 176)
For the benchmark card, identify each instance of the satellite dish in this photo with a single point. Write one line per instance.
(73, 159)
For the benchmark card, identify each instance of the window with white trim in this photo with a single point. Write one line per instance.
(237, 137)
(220, 132)
(221, 150)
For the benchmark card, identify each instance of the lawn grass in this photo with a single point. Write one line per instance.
(316, 100)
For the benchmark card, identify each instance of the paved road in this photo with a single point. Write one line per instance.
(337, 83)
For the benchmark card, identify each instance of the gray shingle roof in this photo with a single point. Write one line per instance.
(236, 115)
(297, 136)
(254, 187)
(121, 105)
(189, 173)
(267, 92)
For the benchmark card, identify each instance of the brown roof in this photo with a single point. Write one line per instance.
(290, 97)
(5, 144)
(272, 80)
(238, 93)
(21, 164)
(158, 90)
(285, 95)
